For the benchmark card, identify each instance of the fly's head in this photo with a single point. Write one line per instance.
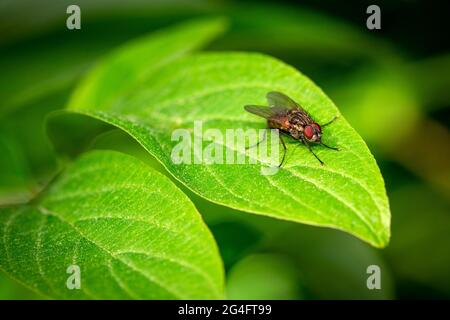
(313, 132)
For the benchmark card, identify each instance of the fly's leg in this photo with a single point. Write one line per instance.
(324, 125)
(259, 142)
(329, 122)
(284, 150)
(282, 142)
(332, 148)
(310, 150)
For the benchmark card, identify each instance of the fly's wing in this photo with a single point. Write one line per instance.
(266, 112)
(280, 100)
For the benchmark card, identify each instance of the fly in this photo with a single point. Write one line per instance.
(292, 120)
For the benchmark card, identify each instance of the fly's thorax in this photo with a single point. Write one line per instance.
(299, 118)
(296, 132)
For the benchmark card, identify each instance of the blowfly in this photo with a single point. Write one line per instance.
(292, 120)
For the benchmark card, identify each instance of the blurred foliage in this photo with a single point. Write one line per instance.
(387, 95)
(431, 78)
(334, 264)
(264, 276)
(419, 253)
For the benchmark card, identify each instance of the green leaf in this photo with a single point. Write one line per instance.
(347, 193)
(129, 229)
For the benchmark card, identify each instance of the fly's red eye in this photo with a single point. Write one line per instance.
(309, 132)
(317, 126)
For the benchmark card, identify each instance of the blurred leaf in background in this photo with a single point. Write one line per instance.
(264, 277)
(419, 253)
(334, 265)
